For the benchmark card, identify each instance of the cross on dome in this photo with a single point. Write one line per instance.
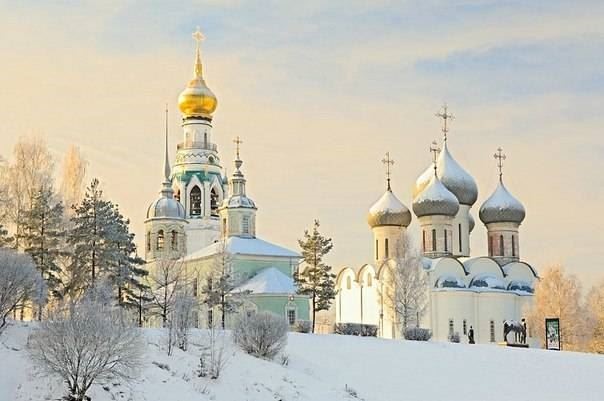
(387, 161)
(434, 149)
(445, 117)
(500, 157)
(237, 143)
(199, 37)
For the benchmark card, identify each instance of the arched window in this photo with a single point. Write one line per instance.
(369, 280)
(451, 327)
(501, 245)
(348, 283)
(245, 225)
(160, 240)
(424, 240)
(224, 227)
(446, 241)
(148, 241)
(195, 203)
(386, 248)
(492, 330)
(433, 240)
(377, 249)
(213, 202)
(459, 232)
(490, 245)
(174, 240)
(513, 245)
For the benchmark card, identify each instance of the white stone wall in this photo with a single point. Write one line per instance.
(393, 234)
(442, 225)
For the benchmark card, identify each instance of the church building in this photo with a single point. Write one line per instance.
(463, 291)
(201, 215)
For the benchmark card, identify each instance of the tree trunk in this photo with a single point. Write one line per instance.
(314, 297)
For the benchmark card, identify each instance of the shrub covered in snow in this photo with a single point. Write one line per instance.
(356, 329)
(18, 281)
(302, 326)
(417, 334)
(262, 334)
(90, 343)
(454, 338)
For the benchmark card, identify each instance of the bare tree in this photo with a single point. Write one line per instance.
(74, 173)
(406, 287)
(31, 168)
(216, 353)
(167, 276)
(90, 344)
(19, 281)
(182, 318)
(558, 295)
(595, 308)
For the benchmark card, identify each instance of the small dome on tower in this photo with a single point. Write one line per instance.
(453, 176)
(502, 207)
(197, 100)
(166, 207)
(389, 211)
(435, 199)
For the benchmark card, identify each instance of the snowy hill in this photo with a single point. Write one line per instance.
(321, 367)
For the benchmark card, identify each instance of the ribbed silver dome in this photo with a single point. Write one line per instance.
(239, 201)
(435, 199)
(388, 211)
(502, 207)
(453, 176)
(166, 207)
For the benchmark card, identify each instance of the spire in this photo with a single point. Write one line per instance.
(166, 159)
(238, 161)
(445, 117)
(238, 180)
(388, 162)
(199, 37)
(500, 157)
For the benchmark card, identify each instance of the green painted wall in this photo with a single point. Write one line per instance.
(277, 304)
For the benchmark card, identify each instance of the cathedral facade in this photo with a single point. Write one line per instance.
(462, 291)
(201, 215)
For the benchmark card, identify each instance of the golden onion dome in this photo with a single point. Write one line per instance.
(197, 100)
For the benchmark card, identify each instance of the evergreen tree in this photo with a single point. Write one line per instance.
(217, 288)
(91, 238)
(41, 237)
(316, 279)
(125, 273)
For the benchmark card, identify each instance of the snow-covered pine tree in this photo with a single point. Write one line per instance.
(124, 271)
(41, 237)
(216, 289)
(91, 238)
(315, 278)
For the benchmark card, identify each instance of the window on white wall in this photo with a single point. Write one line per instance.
(245, 225)
(386, 251)
(160, 240)
(465, 327)
(451, 327)
(195, 201)
(348, 283)
(291, 316)
(492, 328)
(369, 280)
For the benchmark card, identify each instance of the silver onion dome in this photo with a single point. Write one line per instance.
(236, 201)
(166, 207)
(388, 211)
(435, 199)
(502, 207)
(453, 176)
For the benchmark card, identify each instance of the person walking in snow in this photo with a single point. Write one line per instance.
(471, 335)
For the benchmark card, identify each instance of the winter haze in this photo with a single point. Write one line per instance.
(319, 103)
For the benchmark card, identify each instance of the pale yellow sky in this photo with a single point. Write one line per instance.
(318, 95)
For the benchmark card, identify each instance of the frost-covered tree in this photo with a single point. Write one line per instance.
(42, 238)
(219, 283)
(314, 278)
(166, 279)
(124, 269)
(262, 334)
(405, 288)
(72, 181)
(32, 167)
(19, 280)
(91, 343)
(557, 295)
(595, 308)
(181, 318)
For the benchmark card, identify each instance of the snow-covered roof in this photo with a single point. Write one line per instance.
(245, 246)
(389, 211)
(501, 206)
(269, 281)
(435, 199)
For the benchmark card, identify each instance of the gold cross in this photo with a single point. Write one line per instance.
(198, 36)
(500, 156)
(445, 116)
(434, 149)
(388, 162)
(237, 142)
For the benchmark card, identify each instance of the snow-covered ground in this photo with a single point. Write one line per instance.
(321, 367)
